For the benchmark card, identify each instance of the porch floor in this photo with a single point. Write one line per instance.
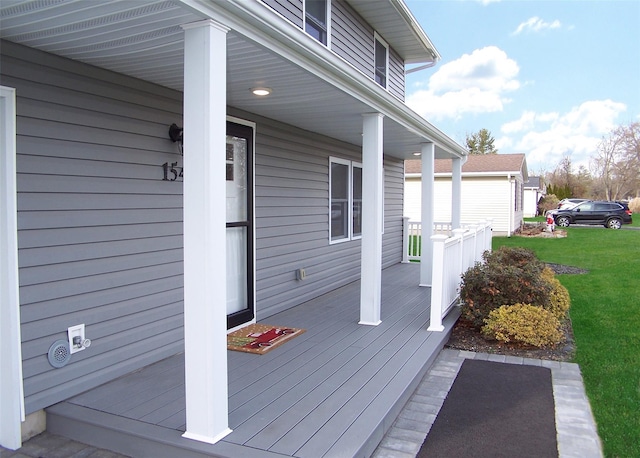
(332, 391)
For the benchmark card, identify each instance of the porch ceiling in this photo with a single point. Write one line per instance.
(144, 39)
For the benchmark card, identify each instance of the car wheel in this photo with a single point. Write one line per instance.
(614, 223)
(563, 221)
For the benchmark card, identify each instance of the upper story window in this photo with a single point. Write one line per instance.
(381, 61)
(316, 19)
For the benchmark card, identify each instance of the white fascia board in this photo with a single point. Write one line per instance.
(417, 30)
(478, 174)
(259, 23)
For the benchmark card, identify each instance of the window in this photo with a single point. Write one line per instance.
(345, 195)
(315, 19)
(381, 61)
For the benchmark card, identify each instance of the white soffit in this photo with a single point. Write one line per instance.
(144, 39)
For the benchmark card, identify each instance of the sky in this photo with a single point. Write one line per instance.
(547, 78)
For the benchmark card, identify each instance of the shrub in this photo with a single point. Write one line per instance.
(523, 323)
(513, 256)
(634, 205)
(560, 302)
(548, 202)
(508, 276)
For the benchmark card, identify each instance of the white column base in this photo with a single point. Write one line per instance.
(369, 323)
(207, 439)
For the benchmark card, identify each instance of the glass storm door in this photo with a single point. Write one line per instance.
(239, 171)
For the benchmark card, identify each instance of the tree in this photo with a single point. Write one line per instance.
(481, 142)
(564, 183)
(617, 162)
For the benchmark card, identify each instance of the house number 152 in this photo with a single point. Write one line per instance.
(171, 171)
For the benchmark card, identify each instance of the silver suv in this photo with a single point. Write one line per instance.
(568, 203)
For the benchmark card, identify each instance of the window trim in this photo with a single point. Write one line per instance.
(378, 39)
(349, 232)
(354, 165)
(351, 165)
(327, 25)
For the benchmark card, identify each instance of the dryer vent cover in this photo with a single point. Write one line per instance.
(59, 354)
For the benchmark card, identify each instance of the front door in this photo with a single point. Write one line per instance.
(239, 170)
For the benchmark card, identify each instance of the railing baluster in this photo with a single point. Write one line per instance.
(449, 265)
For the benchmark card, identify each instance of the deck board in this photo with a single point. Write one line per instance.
(332, 391)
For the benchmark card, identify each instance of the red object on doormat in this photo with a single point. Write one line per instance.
(260, 338)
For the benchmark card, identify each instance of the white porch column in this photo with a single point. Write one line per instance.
(427, 202)
(205, 281)
(372, 198)
(11, 388)
(456, 192)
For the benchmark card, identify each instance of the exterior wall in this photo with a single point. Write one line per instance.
(352, 38)
(531, 198)
(290, 9)
(100, 231)
(396, 75)
(292, 216)
(482, 198)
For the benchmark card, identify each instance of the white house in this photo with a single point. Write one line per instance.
(492, 188)
(168, 166)
(534, 190)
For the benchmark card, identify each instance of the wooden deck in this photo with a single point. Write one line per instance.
(331, 392)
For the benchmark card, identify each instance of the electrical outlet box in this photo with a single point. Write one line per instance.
(301, 274)
(76, 338)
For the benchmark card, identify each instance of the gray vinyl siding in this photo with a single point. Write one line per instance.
(99, 232)
(396, 75)
(292, 216)
(352, 37)
(393, 211)
(290, 9)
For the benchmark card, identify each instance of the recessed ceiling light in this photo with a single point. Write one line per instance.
(261, 91)
(417, 154)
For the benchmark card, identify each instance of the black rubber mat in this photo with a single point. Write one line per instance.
(495, 410)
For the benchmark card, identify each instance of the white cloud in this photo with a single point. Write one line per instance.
(527, 122)
(535, 24)
(550, 136)
(474, 83)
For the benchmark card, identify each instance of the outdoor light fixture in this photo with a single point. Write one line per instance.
(417, 154)
(261, 91)
(175, 134)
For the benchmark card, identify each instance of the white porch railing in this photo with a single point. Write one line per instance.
(412, 237)
(454, 251)
(452, 256)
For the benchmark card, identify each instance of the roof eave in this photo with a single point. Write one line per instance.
(339, 74)
(423, 52)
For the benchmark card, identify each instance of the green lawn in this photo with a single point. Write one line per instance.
(605, 314)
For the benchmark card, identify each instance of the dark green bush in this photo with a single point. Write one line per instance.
(513, 256)
(508, 276)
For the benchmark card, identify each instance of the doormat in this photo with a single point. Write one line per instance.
(260, 338)
(495, 410)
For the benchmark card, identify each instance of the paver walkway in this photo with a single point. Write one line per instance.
(576, 429)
